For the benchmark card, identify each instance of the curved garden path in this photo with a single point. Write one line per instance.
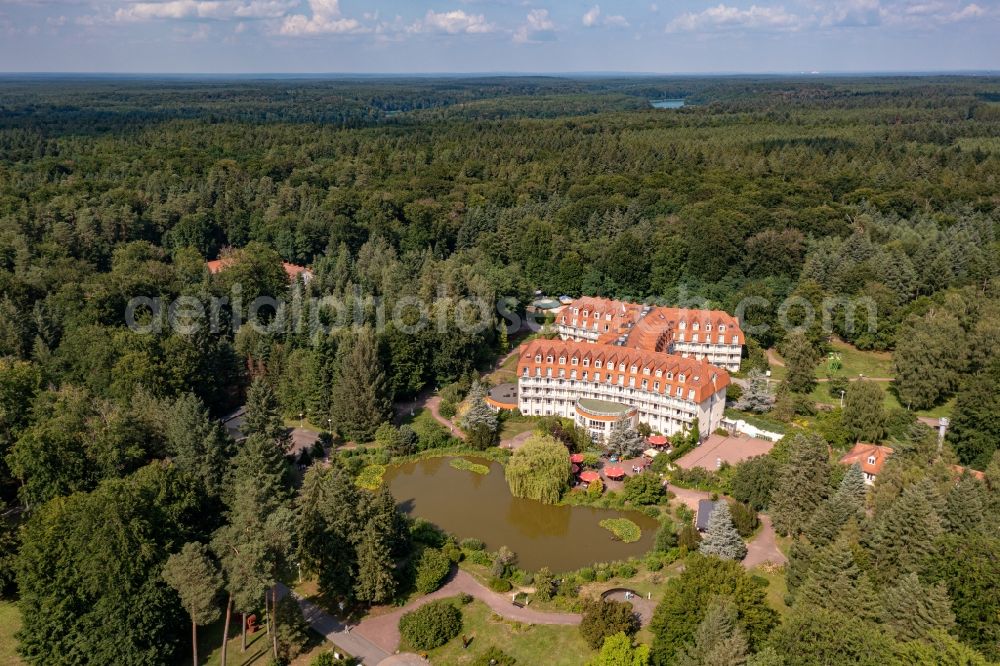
(383, 630)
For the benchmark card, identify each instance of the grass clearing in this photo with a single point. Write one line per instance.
(10, 623)
(557, 645)
(777, 588)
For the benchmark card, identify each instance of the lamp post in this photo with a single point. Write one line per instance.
(841, 398)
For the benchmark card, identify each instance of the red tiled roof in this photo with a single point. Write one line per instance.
(219, 265)
(699, 375)
(861, 453)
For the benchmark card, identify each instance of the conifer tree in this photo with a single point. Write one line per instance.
(380, 508)
(361, 399)
(718, 640)
(721, 538)
(195, 578)
(802, 484)
(864, 414)
(259, 476)
(800, 363)
(914, 610)
(965, 505)
(375, 581)
(624, 441)
(196, 443)
(905, 533)
(800, 556)
(757, 397)
(262, 414)
(833, 514)
(480, 423)
(835, 582)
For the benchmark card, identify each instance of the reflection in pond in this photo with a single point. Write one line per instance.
(467, 504)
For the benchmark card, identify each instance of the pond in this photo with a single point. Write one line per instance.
(470, 505)
(666, 103)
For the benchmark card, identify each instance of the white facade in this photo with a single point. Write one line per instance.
(668, 414)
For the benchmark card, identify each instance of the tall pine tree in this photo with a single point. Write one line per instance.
(848, 502)
(914, 610)
(262, 415)
(905, 533)
(802, 485)
(361, 400)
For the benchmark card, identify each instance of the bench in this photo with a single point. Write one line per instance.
(518, 604)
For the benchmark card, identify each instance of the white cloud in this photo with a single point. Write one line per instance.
(723, 17)
(968, 12)
(932, 13)
(326, 19)
(453, 23)
(202, 9)
(853, 14)
(593, 18)
(538, 26)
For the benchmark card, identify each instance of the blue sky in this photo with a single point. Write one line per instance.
(665, 36)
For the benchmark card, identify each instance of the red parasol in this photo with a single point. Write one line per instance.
(614, 472)
(590, 476)
(576, 458)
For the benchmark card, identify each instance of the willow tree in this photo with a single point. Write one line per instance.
(539, 469)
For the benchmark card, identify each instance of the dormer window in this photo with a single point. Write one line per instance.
(585, 313)
(694, 326)
(562, 360)
(635, 369)
(645, 383)
(572, 374)
(656, 386)
(680, 378)
(683, 325)
(597, 363)
(659, 373)
(574, 361)
(645, 371)
(670, 375)
(607, 317)
(871, 460)
(577, 311)
(538, 358)
(621, 366)
(722, 328)
(708, 327)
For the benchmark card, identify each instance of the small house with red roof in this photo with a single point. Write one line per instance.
(871, 458)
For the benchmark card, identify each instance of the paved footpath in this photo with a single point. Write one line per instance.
(383, 631)
(336, 632)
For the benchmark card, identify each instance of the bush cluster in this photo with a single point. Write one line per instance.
(431, 625)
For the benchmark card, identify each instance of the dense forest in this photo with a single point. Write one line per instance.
(886, 189)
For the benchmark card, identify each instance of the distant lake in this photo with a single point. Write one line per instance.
(666, 103)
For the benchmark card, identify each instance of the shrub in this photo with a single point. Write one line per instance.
(654, 563)
(626, 570)
(494, 657)
(595, 488)
(644, 489)
(689, 537)
(446, 409)
(465, 598)
(603, 618)
(427, 533)
(472, 544)
(480, 557)
(603, 576)
(586, 574)
(544, 584)
(666, 538)
(568, 588)
(504, 561)
(624, 529)
(500, 585)
(452, 552)
(432, 568)
(744, 518)
(524, 577)
(431, 625)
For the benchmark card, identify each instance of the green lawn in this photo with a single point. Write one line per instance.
(512, 428)
(526, 643)
(10, 622)
(821, 394)
(853, 361)
(776, 587)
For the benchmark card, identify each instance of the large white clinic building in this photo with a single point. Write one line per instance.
(592, 382)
